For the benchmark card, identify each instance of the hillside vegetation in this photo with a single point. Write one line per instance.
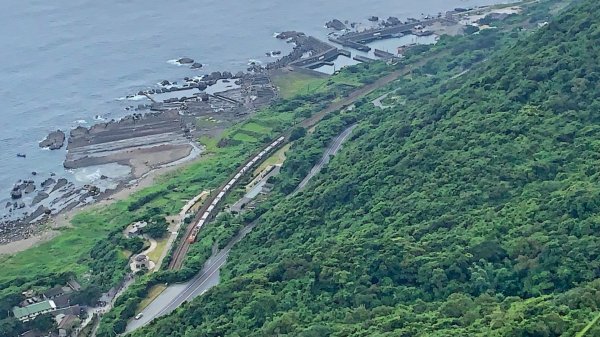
(469, 208)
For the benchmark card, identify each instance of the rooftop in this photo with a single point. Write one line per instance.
(141, 257)
(58, 290)
(33, 309)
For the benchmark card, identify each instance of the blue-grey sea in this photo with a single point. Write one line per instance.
(64, 62)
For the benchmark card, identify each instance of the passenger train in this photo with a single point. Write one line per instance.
(228, 186)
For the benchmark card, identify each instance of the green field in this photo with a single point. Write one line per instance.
(294, 83)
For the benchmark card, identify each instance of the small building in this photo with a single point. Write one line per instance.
(67, 324)
(31, 311)
(54, 292)
(74, 285)
(63, 301)
(137, 229)
(141, 262)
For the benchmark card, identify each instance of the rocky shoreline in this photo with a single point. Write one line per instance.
(154, 135)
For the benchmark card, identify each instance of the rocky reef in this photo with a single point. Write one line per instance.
(54, 141)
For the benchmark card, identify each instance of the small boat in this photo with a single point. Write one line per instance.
(21, 155)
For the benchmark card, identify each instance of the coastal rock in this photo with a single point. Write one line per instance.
(185, 60)
(41, 196)
(46, 183)
(79, 132)
(215, 75)
(29, 188)
(103, 177)
(393, 21)
(335, 24)
(289, 35)
(165, 82)
(8, 204)
(33, 173)
(226, 74)
(202, 85)
(374, 18)
(16, 193)
(239, 74)
(196, 65)
(54, 141)
(59, 184)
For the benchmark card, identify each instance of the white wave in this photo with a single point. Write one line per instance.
(132, 98)
(252, 61)
(81, 121)
(275, 34)
(175, 62)
(99, 118)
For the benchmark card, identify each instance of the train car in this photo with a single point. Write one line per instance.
(210, 208)
(220, 195)
(238, 175)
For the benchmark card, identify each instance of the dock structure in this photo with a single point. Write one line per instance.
(363, 59)
(358, 40)
(383, 54)
(318, 60)
(225, 98)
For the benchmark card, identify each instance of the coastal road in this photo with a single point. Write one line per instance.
(333, 148)
(177, 294)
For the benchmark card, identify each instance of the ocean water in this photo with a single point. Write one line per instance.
(65, 63)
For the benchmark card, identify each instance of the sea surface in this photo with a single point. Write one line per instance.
(69, 63)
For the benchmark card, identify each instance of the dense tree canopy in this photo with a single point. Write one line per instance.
(469, 208)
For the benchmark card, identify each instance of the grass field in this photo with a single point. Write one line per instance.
(294, 83)
(160, 248)
(62, 252)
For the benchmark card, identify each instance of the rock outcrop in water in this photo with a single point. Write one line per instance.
(185, 60)
(336, 24)
(54, 141)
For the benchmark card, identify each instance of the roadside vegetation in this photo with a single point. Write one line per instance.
(471, 210)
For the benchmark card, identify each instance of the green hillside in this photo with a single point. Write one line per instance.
(469, 208)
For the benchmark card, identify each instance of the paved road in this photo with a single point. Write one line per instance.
(176, 294)
(331, 151)
(377, 102)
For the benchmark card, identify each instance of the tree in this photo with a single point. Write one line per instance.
(297, 133)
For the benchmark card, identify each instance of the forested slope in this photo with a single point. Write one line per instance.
(471, 208)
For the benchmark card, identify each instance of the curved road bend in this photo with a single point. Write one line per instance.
(176, 294)
(331, 151)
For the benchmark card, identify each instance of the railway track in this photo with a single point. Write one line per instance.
(210, 205)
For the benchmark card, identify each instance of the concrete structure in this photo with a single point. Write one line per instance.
(136, 229)
(141, 262)
(32, 311)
